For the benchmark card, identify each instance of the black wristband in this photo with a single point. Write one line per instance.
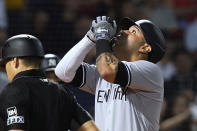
(121, 75)
(102, 46)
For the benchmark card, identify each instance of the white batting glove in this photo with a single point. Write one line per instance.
(103, 28)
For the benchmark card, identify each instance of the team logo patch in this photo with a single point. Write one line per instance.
(15, 119)
(12, 111)
(13, 116)
(44, 80)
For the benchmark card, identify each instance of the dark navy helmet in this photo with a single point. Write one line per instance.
(22, 45)
(49, 62)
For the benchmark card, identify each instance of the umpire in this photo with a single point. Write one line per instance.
(31, 102)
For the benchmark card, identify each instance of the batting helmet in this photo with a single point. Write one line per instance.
(49, 62)
(20, 46)
(152, 34)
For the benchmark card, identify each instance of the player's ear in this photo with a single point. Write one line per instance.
(145, 48)
(15, 62)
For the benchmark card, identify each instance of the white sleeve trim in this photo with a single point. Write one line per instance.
(84, 76)
(129, 75)
(68, 65)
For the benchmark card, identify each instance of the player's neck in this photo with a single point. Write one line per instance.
(139, 57)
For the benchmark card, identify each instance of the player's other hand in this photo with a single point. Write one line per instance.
(103, 28)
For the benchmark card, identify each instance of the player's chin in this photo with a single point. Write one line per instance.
(116, 42)
(115, 47)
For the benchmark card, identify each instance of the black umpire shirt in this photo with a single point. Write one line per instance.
(32, 103)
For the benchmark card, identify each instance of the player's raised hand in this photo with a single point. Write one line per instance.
(90, 34)
(103, 28)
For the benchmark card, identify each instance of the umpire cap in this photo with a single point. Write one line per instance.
(49, 62)
(152, 34)
(21, 46)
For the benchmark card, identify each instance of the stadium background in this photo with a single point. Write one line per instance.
(60, 24)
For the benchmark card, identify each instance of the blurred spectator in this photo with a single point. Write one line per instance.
(191, 96)
(41, 21)
(3, 76)
(82, 25)
(40, 28)
(161, 14)
(70, 31)
(15, 4)
(166, 64)
(167, 68)
(3, 37)
(191, 40)
(185, 11)
(95, 8)
(103, 8)
(184, 77)
(71, 10)
(129, 9)
(3, 15)
(179, 116)
(46, 5)
(17, 18)
(62, 27)
(92, 7)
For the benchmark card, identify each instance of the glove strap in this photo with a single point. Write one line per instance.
(102, 33)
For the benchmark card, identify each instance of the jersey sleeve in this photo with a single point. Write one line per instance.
(14, 107)
(86, 78)
(145, 75)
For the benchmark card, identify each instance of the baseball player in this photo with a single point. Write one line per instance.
(48, 65)
(30, 102)
(127, 84)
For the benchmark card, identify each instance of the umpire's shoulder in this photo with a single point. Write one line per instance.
(14, 92)
(64, 90)
(67, 91)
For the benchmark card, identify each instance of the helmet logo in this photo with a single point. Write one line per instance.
(52, 62)
(28, 37)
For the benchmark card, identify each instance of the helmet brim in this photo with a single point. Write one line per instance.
(49, 69)
(126, 23)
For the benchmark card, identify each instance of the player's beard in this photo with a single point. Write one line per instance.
(120, 49)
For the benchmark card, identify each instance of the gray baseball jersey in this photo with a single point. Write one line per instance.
(116, 110)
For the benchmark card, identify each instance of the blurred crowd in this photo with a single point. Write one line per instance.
(59, 24)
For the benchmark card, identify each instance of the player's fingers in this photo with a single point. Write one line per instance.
(104, 18)
(114, 23)
(98, 19)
